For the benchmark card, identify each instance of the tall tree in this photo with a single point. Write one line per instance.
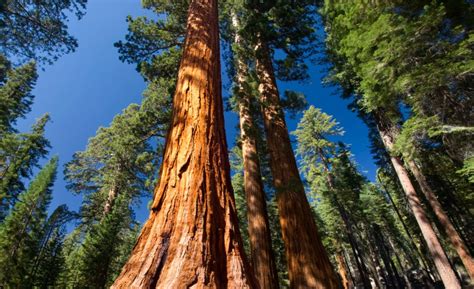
(308, 262)
(434, 245)
(261, 253)
(19, 155)
(21, 232)
(192, 237)
(358, 46)
(117, 168)
(49, 260)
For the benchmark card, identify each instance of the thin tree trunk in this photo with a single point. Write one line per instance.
(341, 266)
(347, 261)
(113, 192)
(399, 262)
(308, 262)
(347, 223)
(453, 235)
(263, 261)
(407, 231)
(437, 252)
(191, 239)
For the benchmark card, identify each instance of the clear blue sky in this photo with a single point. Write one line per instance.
(85, 89)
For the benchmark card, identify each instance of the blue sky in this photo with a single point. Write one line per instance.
(86, 89)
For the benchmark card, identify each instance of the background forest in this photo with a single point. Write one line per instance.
(348, 124)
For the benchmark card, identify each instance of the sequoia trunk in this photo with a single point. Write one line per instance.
(308, 262)
(191, 239)
(386, 130)
(263, 262)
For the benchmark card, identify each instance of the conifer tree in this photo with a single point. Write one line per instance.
(19, 152)
(261, 254)
(37, 30)
(381, 86)
(49, 260)
(289, 31)
(117, 168)
(193, 200)
(21, 231)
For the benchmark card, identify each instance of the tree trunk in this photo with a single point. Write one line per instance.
(420, 258)
(308, 262)
(342, 268)
(263, 261)
(347, 261)
(386, 130)
(453, 235)
(400, 264)
(347, 223)
(191, 239)
(110, 199)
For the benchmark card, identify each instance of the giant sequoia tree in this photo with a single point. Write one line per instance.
(192, 237)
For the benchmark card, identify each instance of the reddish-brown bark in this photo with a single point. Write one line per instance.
(308, 262)
(263, 261)
(191, 239)
(387, 132)
(458, 243)
(342, 268)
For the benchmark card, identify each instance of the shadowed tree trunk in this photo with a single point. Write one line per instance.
(446, 272)
(347, 222)
(451, 232)
(308, 262)
(263, 262)
(191, 239)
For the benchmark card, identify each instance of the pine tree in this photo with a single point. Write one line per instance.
(101, 246)
(119, 163)
(19, 152)
(19, 155)
(21, 231)
(37, 30)
(380, 54)
(15, 93)
(49, 260)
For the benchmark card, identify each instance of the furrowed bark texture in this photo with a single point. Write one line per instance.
(308, 262)
(387, 132)
(263, 262)
(451, 232)
(342, 268)
(191, 239)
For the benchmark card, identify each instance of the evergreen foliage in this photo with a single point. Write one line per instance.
(37, 29)
(22, 231)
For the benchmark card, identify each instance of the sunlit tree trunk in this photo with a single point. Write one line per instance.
(191, 239)
(446, 272)
(342, 269)
(411, 239)
(263, 261)
(451, 232)
(113, 192)
(308, 262)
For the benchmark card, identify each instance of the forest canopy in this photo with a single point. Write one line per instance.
(276, 144)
